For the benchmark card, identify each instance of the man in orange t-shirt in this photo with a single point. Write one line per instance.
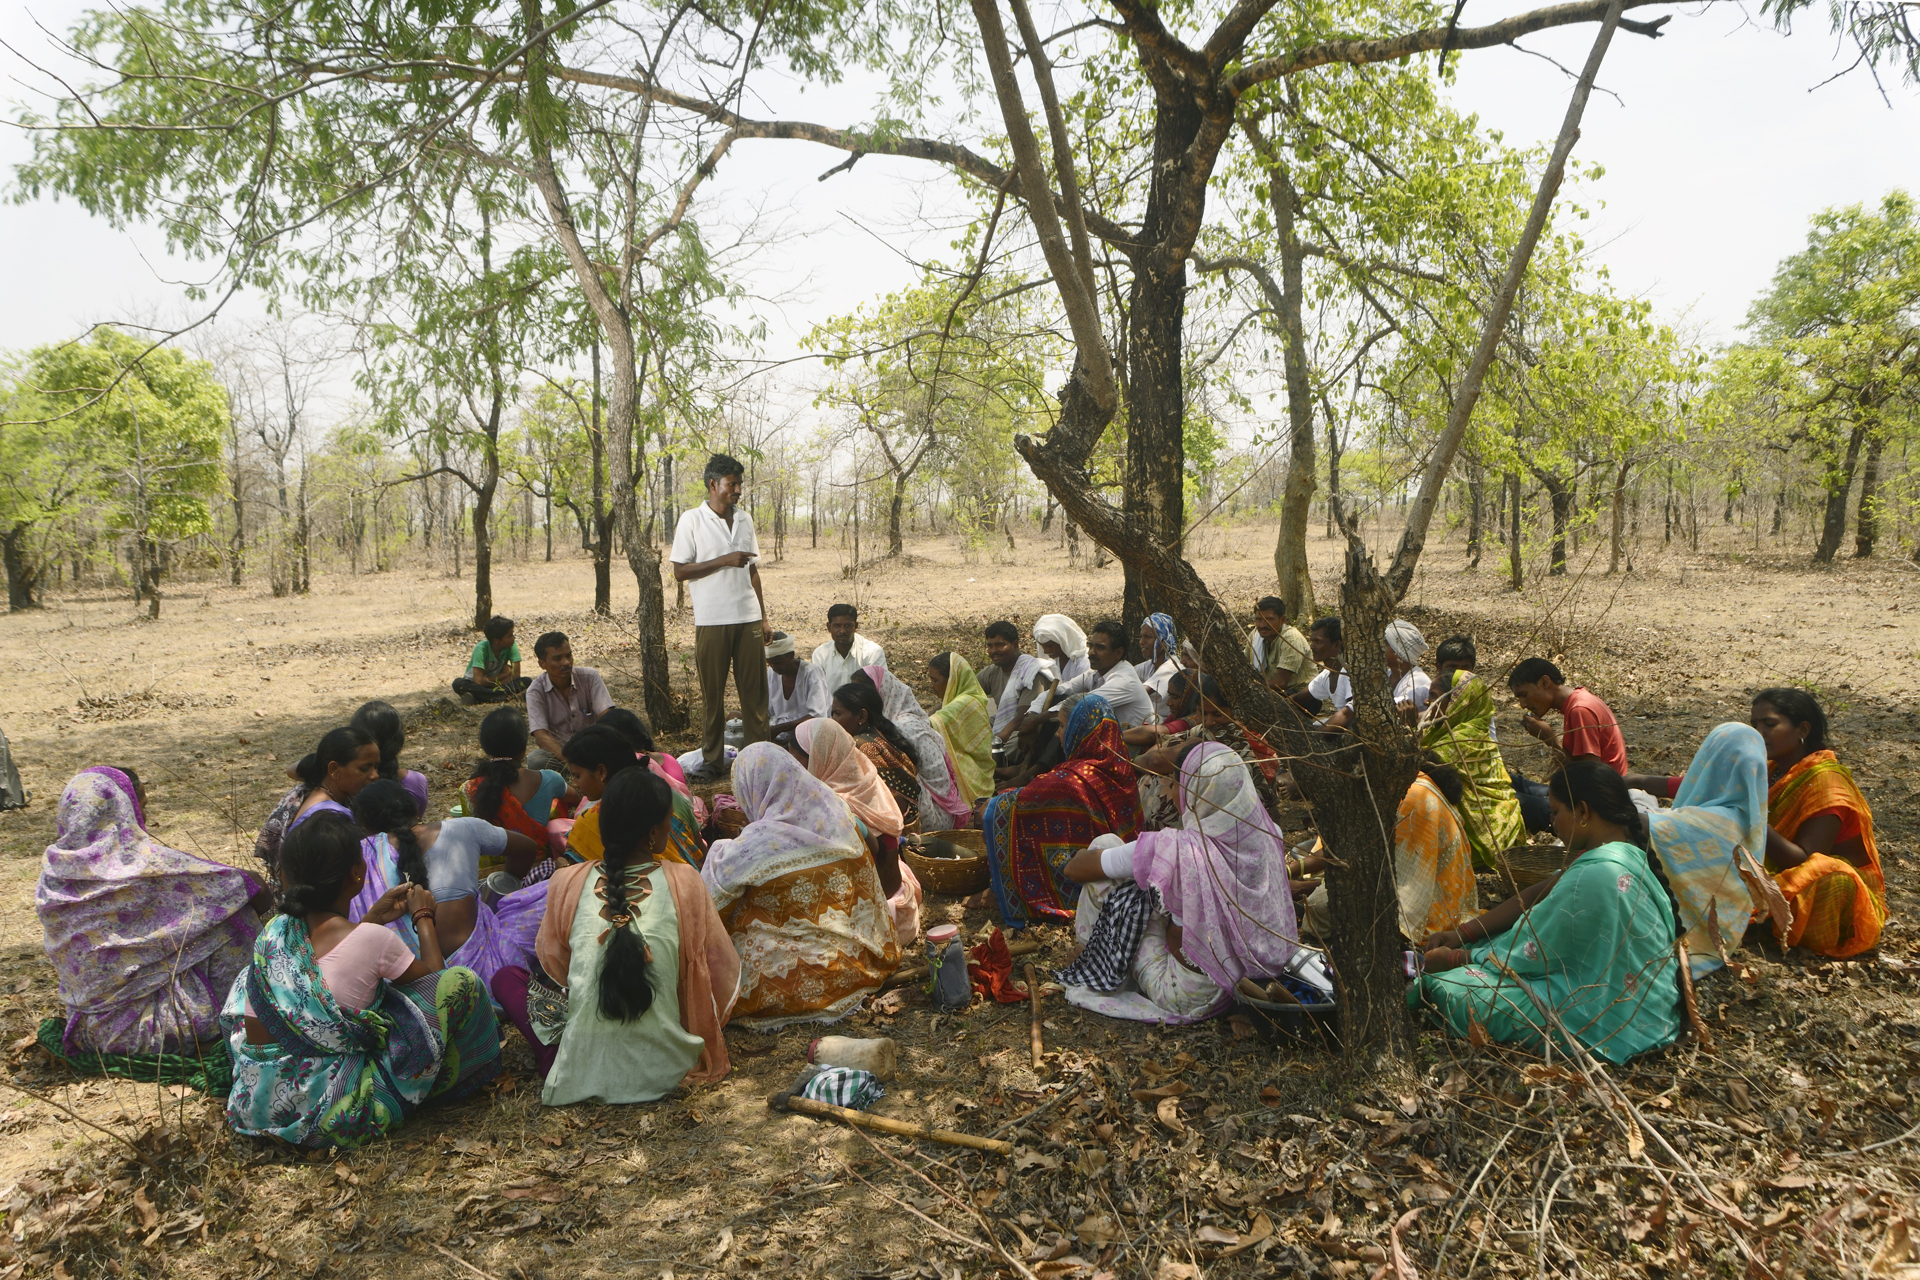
(1587, 728)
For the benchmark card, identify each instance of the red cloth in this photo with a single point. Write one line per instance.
(1589, 729)
(990, 965)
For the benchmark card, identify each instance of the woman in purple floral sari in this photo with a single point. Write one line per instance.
(146, 939)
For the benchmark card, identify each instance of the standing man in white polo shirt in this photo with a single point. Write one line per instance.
(714, 549)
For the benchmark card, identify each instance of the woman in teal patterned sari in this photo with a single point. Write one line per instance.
(310, 1067)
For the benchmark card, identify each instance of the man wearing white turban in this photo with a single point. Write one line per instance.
(1411, 686)
(795, 691)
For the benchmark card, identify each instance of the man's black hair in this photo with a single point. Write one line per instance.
(1112, 630)
(1457, 651)
(1003, 630)
(498, 628)
(720, 466)
(1530, 670)
(1271, 604)
(842, 610)
(551, 640)
(1328, 626)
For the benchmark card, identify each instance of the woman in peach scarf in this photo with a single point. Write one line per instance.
(835, 759)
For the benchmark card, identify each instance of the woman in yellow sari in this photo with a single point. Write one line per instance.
(595, 756)
(1432, 861)
(1820, 847)
(1457, 726)
(965, 720)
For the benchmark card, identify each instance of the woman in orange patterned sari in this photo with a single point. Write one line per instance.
(800, 897)
(1820, 848)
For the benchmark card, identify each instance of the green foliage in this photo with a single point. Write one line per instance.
(153, 422)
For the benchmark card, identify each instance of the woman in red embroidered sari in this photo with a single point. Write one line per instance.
(1032, 833)
(1820, 847)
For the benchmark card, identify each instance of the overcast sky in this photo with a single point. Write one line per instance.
(1717, 141)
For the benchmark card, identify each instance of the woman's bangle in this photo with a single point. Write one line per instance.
(423, 913)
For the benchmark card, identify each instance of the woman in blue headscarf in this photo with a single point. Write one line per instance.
(1706, 843)
(1160, 647)
(1032, 833)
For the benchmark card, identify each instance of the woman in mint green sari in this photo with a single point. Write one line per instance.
(1588, 953)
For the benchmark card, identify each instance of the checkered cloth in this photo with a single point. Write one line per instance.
(1107, 958)
(845, 1087)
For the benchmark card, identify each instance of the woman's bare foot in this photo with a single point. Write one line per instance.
(980, 901)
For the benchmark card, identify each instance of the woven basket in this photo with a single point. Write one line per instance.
(1526, 864)
(956, 877)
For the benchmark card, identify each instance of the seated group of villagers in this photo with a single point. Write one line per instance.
(368, 970)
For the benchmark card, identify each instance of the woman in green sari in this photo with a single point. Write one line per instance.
(338, 1030)
(965, 720)
(1587, 953)
(1457, 726)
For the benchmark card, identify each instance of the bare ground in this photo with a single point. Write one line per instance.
(1788, 1150)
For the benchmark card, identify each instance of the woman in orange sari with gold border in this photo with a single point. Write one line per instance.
(1820, 847)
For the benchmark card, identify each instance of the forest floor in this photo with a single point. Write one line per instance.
(1788, 1149)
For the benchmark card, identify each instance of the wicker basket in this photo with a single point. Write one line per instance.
(1526, 864)
(956, 877)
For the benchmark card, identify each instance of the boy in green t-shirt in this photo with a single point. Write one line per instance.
(493, 673)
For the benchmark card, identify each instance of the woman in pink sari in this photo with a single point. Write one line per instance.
(833, 757)
(1171, 922)
(941, 806)
(146, 939)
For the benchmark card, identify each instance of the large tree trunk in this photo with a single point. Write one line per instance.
(1833, 526)
(1156, 382)
(1867, 528)
(23, 576)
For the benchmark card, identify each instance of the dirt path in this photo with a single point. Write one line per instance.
(214, 700)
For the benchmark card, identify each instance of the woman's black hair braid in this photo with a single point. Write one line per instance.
(503, 736)
(316, 860)
(1597, 786)
(635, 804)
(384, 808)
(864, 697)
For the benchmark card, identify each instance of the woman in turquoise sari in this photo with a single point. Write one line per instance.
(339, 1032)
(1588, 953)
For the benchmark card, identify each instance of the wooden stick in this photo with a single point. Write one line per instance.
(1033, 994)
(807, 1106)
(1700, 1032)
(918, 972)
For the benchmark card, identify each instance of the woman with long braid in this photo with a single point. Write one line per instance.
(444, 858)
(1588, 952)
(636, 976)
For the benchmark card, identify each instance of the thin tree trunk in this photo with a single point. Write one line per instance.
(1867, 529)
(895, 546)
(1514, 571)
(1618, 549)
(1476, 504)
(22, 576)
(1560, 499)
(602, 546)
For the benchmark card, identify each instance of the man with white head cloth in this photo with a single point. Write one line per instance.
(795, 691)
(1411, 686)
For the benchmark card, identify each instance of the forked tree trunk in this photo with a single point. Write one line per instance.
(1839, 486)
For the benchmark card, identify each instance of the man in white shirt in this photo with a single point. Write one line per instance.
(1011, 678)
(1331, 689)
(795, 693)
(1110, 675)
(714, 549)
(847, 651)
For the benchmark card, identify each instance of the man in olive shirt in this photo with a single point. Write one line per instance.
(1281, 653)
